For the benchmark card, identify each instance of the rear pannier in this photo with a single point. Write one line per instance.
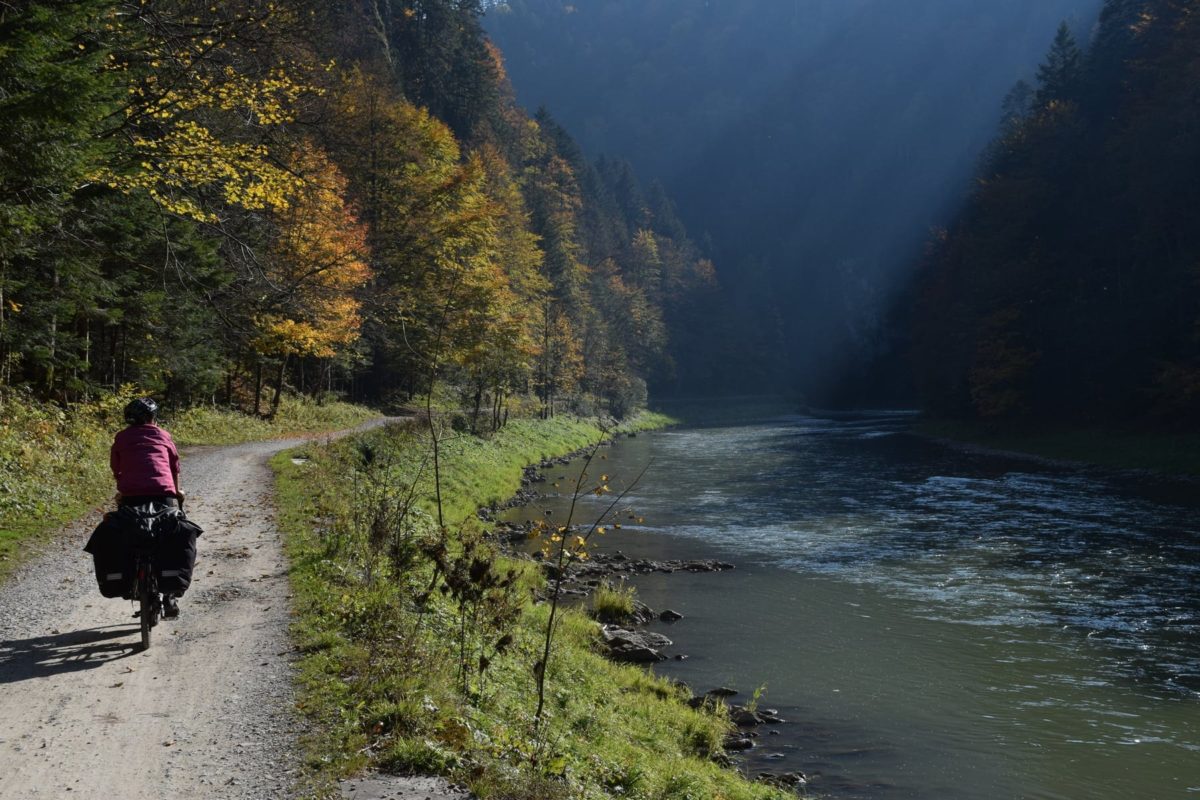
(175, 554)
(165, 530)
(111, 546)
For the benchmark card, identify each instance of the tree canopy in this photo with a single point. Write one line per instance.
(212, 200)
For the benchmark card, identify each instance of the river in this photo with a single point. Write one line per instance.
(932, 623)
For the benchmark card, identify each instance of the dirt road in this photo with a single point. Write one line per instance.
(206, 712)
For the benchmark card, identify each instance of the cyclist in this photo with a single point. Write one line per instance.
(145, 463)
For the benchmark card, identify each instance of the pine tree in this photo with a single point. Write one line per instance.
(1017, 105)
(1060, 74)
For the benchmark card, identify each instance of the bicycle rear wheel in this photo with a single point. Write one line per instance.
(146, 617)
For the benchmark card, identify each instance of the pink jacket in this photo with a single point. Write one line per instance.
(145, 462)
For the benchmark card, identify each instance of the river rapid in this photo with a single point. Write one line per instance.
(932, 623)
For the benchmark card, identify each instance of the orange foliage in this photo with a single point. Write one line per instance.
(317, 264)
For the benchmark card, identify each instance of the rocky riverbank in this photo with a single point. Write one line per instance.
(628, 641)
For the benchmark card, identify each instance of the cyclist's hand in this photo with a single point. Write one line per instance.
(182, 495)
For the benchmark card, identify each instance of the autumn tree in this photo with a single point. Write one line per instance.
(197, 196)
(313, 270)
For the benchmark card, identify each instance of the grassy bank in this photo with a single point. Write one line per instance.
(1161, 452)
(409, 668)
(54, 462)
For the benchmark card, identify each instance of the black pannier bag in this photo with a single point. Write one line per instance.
(175, 552)
(113, 546)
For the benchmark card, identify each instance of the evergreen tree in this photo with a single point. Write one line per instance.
(1059, 75)
(1067, 289)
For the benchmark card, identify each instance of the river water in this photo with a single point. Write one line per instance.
(932, 623)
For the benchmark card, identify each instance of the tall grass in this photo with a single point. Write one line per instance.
(614, 604)
(380, 679)
(297, 415)
(53, 465)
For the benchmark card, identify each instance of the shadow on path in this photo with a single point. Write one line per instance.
(58, 653)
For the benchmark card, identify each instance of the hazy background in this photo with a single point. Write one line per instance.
(812, 145)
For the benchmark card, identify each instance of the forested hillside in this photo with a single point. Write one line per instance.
(216, 201)
(812, 144)
(1069, 287)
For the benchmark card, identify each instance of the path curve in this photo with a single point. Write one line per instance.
(208, 711)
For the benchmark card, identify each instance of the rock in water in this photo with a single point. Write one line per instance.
(744, 718)
(639, 647)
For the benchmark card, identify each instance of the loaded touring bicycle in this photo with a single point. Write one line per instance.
(143, 553)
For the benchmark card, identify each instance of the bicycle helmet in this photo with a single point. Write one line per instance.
(141, 411)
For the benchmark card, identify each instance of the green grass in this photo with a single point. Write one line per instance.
(483, 471)
(381, 672)
(647, 421)
(53, 467)
(613, 604)
(205, 425)
(1175, 453)
(54, 462)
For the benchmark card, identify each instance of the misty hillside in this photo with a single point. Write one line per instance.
(815, 143)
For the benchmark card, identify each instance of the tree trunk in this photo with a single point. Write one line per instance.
(4, 376)
(278, 387)
(258, 388)
(123, 367)
(87, 356)
(53, 341)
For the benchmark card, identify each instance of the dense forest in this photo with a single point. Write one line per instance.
(811, 145)
(214, 202)
(1068, 289)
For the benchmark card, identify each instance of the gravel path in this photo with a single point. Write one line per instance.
(207, 711)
